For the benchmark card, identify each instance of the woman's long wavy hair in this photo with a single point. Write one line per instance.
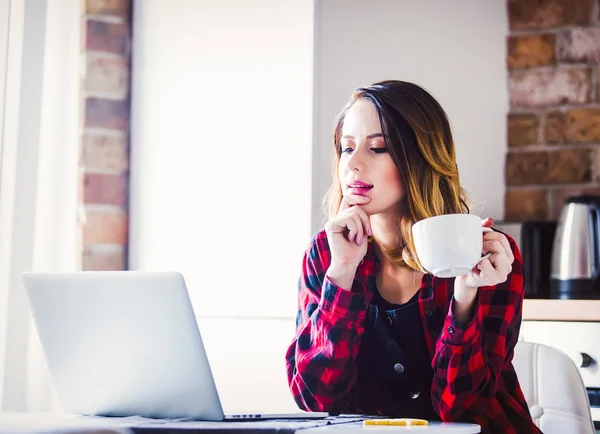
(419, 140)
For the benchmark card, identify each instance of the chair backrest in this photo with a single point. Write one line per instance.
(553, 388)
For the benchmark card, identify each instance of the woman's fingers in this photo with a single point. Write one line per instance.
(361, 226)
(487, 222)
(497, 258)
(347, 222)
(364, 219)
(492, 246)
(351, 224)
(490, 234)
(498, 255)
(500, 238)
(486, 270)
(497, 265)
(338, 224)
(358, 238)
(351, 200)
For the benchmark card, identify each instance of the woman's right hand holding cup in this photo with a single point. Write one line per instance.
(347, 234)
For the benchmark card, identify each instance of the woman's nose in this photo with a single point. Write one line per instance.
(356, 162)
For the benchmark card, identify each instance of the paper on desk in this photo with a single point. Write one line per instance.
(47, 423)
(280, 425)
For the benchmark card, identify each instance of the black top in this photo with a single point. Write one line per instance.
(393, 364)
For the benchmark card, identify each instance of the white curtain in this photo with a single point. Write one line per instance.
(39, 145)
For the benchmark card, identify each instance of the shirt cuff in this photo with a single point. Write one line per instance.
(339, 302)
(458, 334)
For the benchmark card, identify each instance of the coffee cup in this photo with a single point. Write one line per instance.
(449, 245)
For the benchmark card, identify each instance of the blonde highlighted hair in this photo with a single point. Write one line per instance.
(419, 140)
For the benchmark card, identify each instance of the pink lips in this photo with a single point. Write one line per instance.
(359, 188)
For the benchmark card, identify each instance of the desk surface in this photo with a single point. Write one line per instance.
(561, 310)
(27, 423)
(432, 428)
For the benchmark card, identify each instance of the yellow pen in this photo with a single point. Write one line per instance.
(396, 422)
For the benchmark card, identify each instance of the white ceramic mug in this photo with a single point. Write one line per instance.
(449, 245)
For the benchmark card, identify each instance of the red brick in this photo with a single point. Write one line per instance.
(107, 75)
(102, 189)
(102, 151)
(579, 45)
(583, 125)
(99, 260)
(108, 37)
(596, 164)
(104, 113)
(105, 227)
(546, 14)
(598, 84)
(542, 88)
(569, 166)
(525, 204)
(522, 130)
(555, 128)
(531, 50)
(548, 167)
(119, 8)
(574, 126)
(526, 168)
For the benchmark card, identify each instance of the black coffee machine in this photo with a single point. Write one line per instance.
(536, 239)
(575, 270)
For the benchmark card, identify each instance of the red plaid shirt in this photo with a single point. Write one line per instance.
(474, 380)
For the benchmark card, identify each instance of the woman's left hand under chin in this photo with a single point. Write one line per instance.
(494, 269)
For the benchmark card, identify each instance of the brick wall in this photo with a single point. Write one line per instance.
(104, 164)
(553, 59)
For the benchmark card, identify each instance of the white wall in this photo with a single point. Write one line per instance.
(221, 131)
(454, 49)
(4, 22)
(220, 175)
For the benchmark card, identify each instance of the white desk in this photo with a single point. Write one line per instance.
(47, 423)
(432, 428)
(29, 423)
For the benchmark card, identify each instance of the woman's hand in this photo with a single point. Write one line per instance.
(494, 269)
(347, 236)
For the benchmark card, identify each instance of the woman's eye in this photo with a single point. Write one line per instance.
(379, 150)
(346, 150)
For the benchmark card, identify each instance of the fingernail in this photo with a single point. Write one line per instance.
(369, 232)
(359, 241)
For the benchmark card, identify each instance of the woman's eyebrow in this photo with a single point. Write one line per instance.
(370, 136)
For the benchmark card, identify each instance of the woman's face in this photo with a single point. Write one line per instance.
(366, 168)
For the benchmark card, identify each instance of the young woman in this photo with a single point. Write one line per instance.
(377, 334)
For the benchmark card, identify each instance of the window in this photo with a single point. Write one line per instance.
(39, 179)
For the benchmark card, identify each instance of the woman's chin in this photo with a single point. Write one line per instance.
(368, 209)
(372, 209)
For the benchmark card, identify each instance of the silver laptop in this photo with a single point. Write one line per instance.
(125, 343)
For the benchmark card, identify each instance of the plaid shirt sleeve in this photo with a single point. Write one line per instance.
(469, 358)
(320, 360)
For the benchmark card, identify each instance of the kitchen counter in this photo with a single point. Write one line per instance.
(561, 310)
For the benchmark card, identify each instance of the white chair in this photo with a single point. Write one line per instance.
(553, 388)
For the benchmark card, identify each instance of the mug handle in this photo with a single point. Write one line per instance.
(487, 255)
